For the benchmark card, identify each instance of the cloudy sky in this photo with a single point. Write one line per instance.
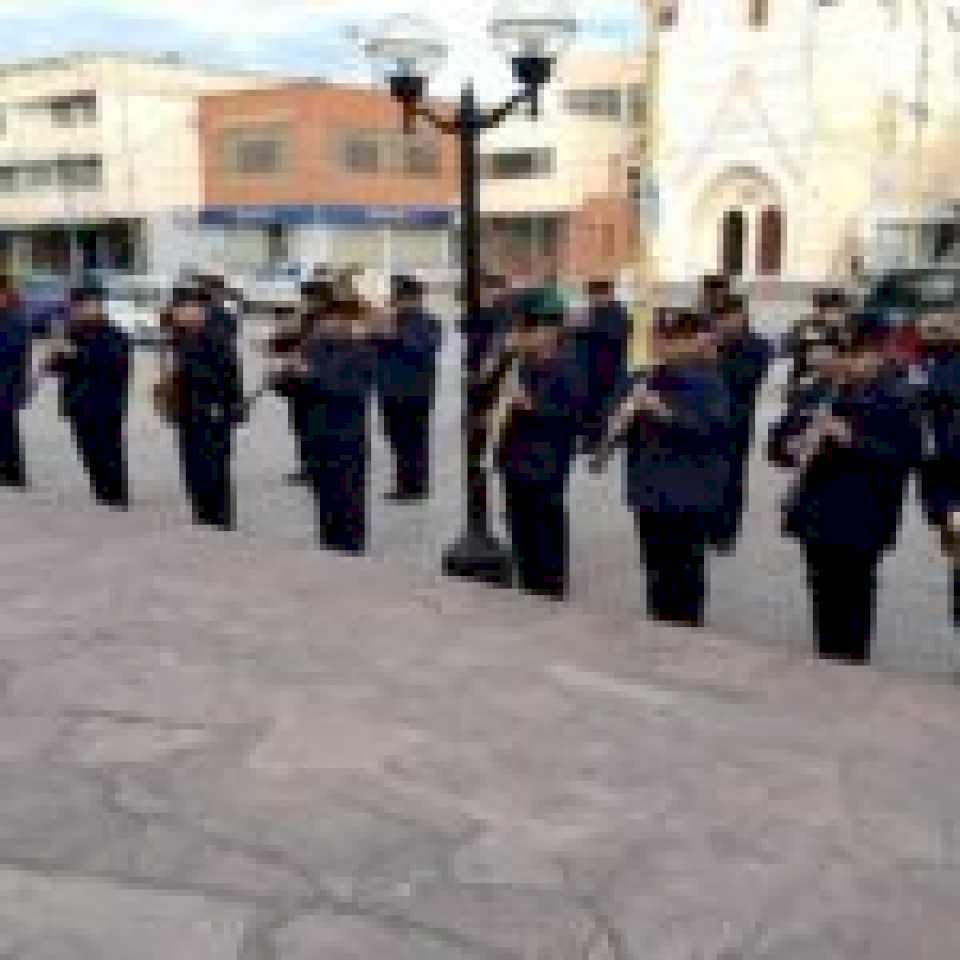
(303, 37)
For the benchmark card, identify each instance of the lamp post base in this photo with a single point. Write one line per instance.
(479, 556)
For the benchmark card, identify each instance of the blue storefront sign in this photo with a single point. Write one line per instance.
(343, 215)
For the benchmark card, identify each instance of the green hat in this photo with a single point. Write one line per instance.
(542, 307)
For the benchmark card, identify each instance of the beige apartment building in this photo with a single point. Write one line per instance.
(555, 193)
(100, 161)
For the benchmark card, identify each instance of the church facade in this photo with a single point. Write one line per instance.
(797, 138)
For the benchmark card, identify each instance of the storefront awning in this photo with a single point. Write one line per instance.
(330, 215)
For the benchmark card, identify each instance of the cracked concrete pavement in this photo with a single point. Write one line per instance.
(215, 747)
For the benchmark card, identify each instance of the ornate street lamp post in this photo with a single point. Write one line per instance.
(532, 35)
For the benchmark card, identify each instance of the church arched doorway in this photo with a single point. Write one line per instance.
(739, 226)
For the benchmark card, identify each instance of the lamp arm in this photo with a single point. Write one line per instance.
(494, 118)
(443, 124)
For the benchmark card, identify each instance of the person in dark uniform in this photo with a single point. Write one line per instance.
(744, 358)
(533, 438)
(852, 438)
(677, 425)
(338, 363)
(94, 377)
(940, 471)
(225, 306)
(293, 328)
(14, 376)
(602, 346)
(406, 386)
(813, 335)
(210, 406)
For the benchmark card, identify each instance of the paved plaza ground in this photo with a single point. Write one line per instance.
(238, 746)
(215, 748)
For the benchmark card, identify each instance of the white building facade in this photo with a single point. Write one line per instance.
(788, 132)
(100, 162)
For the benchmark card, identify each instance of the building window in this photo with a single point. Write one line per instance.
(667, 14)
(758, 12)
(73, 110)
(518, 164)
(421, 158)
(601, 103)
(362, 154)
(3, 121)
(36, 176)
(80, 171)
(8, 179)
(256, 152)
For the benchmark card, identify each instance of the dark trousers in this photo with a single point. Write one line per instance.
(676, 562)
(12, 470)
(298, 409)
(843, 585)
(337, 470)
(537, 519)
(100, 443)
(205, 457)
(406, 422)
(729, 518)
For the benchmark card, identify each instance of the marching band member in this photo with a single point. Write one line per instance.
(293, 328)
(744, 358)
(338, 362)
(406, 386)
(852, 437)
(14, 375)
(94, 372)
(812, 334)
(603, 346)
(207, 406)
(533, 439)
(676, 424)
(940, 471)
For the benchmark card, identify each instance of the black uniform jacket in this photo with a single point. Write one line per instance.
(95, 380)
(407, 362)
(538, 444)
(678, 464)
(851, 495)
(211, 381)
(743, 365)
(940, 475)
(14, 356)
(341, 378)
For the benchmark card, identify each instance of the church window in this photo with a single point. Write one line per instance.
(758, 11)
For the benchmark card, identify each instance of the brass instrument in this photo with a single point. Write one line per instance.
(168, 396)
(48, 362)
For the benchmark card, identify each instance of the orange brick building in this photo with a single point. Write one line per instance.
(311, 172)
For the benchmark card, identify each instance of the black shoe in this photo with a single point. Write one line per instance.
(298, 478)
(405, 496)
(14, 482)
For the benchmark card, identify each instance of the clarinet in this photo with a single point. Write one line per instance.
(619, 422)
